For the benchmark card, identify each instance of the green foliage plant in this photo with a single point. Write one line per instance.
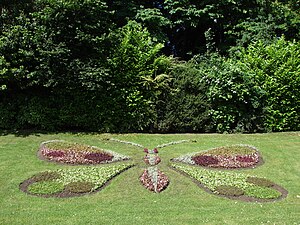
(262, 192)
(96, 175)
(234, 97)
(79, 187)
(46, 176)
(45, 187)
(135, 67)
(276, 70)
(229, 190)
(260, 181)
(184, 107)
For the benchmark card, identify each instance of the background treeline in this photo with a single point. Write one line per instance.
(152, 66)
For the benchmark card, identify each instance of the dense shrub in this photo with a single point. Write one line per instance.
(184, 107)
(276, 70)
(236, 101)
(89, 65)
(8, 113)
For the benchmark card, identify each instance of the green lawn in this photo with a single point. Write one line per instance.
(126, 201)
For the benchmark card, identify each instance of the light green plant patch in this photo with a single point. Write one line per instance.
(212, 179)
(262, 192)
(46, 187)
(96, 175)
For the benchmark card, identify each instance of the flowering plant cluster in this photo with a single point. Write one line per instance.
(154, 180)
(151, 158)
(72, 153)
(154, 151)
(230, 157)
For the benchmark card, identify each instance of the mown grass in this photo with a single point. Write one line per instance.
(126, 201)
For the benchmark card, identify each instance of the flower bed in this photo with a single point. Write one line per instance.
(71, 182)
(73, 153)
(233, 185)
(154, 180)
(151, 158)
(229, 157)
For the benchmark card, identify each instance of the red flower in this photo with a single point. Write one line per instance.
(146, 150)
(155, 150)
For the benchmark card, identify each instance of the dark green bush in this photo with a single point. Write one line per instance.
(276, 71)
(185, 107)
(235, 103)
(86, 65)
(8, 112)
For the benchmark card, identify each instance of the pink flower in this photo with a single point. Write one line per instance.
(146, 150)
(155, 150)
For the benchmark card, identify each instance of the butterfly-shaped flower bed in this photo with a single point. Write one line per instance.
(205, 168)
(74, 153)
(226, 157)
